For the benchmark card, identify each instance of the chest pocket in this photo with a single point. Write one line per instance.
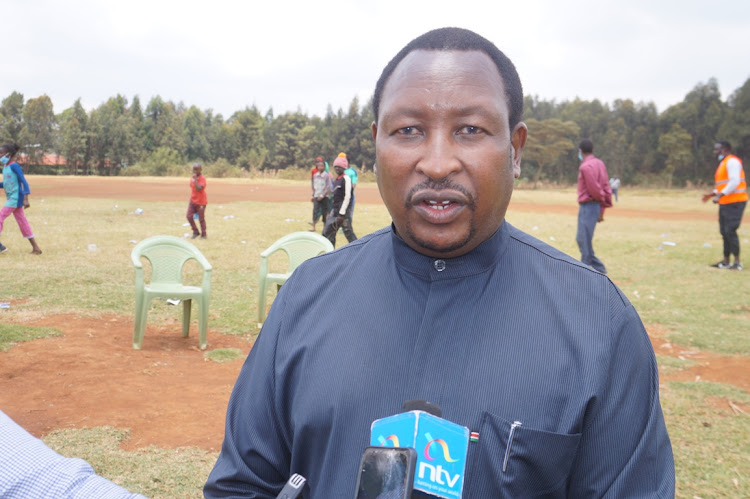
(537, 463)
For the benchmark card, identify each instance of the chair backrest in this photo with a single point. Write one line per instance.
(299, 246)
(167, 255)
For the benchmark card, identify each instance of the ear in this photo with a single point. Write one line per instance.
(374, 127)
(518, 140)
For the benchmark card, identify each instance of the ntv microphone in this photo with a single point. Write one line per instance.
(441, 446)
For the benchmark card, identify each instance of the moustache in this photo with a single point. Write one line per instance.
(427, 188)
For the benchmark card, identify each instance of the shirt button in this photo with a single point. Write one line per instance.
(439, 265)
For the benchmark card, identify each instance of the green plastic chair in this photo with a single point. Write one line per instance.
(298, 246)
(168, 255)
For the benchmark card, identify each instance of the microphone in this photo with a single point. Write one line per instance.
(442, 446)
(422, 405)
(293, 487)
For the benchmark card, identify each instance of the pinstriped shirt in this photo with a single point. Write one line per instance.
(541, 356)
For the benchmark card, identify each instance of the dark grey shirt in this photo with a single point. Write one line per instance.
(512, 331)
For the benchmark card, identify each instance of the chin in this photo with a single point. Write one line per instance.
(436, 245)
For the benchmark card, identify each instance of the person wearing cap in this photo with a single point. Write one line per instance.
(321, 188)
(342, 203)
(198, 201)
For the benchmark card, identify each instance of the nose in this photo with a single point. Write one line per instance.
(439, 157)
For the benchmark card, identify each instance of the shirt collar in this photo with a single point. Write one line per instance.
(480, 259)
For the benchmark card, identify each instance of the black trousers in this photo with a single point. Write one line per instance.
(730, 217)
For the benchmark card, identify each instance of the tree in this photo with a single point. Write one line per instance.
(74, 136)
(11, 118)
(114, 138)
(675, 145)
(548, 141)
(195, 134)
(700, 114)
(163, 126)
(39, 127)
(736, 126)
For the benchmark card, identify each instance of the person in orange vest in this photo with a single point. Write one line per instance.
(730, 193)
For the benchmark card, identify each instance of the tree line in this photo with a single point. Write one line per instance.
(638, 144)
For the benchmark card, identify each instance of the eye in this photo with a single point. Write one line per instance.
(408, 130)
(470, 130)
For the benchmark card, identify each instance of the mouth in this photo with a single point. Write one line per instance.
(439, 207)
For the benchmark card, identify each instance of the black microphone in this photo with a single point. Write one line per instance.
(422, 405)
(293, 488)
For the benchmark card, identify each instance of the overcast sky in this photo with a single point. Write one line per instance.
(229, 54)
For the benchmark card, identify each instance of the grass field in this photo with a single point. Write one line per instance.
(660, 263)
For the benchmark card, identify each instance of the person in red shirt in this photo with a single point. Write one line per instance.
(198, 201)
(594, 195)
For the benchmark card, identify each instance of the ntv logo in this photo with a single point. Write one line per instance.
(437, 474)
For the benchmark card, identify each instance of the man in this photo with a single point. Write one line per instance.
(342, 203)
(594, 195)
(198, 201)
(321, 188)
(730, 193)
(614, 183)
(452, 305)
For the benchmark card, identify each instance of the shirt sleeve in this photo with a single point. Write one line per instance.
(734, 167)
(15, 168)
(28, 468)
(625, 449)
(254, 458)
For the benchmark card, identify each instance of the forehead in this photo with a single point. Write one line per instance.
(445, 79)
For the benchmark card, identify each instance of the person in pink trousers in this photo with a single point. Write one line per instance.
(17, 191)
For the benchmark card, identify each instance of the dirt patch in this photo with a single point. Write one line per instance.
(166, 393)
(730, 369)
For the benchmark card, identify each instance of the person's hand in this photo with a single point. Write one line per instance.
(340, 220)
(26, 203)
(601, 218)
(708, 196)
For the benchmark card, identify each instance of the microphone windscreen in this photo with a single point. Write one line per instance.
(422, 405)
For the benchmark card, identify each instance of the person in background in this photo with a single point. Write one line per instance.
(452, 305)
(352, 173)
(17, 191)
(321, 188)
(198, 201)
(730, 193)
(30, 469)
(614, 184)
(594, 195)
(342, 199)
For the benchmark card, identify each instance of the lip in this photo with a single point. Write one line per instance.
(439, 207)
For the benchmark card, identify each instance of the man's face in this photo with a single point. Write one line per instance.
(446, 157)
(339, 170)
(197, 170)
(718, 150)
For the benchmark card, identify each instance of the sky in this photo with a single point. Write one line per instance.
(292, 55)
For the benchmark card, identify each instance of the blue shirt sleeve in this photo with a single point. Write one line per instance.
(28, 468)
(16, 168)
(254, 458)
(624, 449)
